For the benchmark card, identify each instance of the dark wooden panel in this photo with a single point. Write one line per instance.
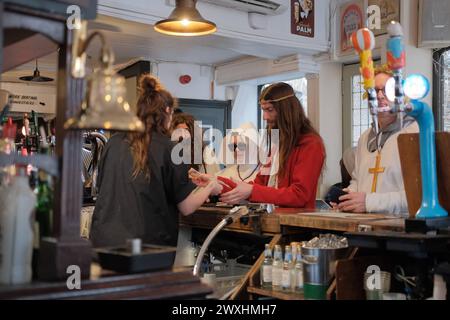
(216, 106)
(350, 276)
(209, 217)
(136, 70)
(66, 247)
(408, 145)
(157, 285)
(58, 7)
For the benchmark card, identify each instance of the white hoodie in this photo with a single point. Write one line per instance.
(390, 196)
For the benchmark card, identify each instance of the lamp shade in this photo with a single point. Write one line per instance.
(185, 20)
(36, 77)
(104, 106)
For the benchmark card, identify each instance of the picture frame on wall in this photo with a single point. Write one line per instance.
(352, 17)
(302, 17)
(390, 11)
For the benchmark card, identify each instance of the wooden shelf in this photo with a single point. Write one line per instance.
(276, 294)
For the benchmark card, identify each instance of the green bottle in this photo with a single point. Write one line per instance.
(44, 207)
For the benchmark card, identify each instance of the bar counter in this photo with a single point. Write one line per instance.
(284, 219)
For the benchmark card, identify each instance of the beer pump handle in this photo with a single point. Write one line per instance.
(396, 58)
(364, 42)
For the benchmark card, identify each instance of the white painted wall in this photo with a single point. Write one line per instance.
(243, 95)
(330, 122)
(200, 85)
(245, 108)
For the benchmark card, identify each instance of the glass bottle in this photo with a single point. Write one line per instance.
(44, 205)
(287, 270)
(277, 268)
(266, 269)
(17, 202)
(299, 271)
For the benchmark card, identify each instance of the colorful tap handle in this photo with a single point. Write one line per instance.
(364, 41)
(396, 57)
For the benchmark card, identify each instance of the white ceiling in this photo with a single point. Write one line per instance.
(131, 40)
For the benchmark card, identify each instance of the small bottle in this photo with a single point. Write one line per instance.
(277, 268)
(266, 269)
(8, 146)
(286, 282)
(299, 271)
(17, 203)
(294, 252)
(44, 208)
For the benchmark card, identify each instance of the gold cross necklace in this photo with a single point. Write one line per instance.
(378, 169)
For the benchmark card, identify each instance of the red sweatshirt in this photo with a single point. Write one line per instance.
(297, 189)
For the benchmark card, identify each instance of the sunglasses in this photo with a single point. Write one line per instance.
(382, 90)
(233, 146)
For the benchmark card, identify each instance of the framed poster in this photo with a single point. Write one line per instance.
(389, 10)
(302, 17)
(352, 18)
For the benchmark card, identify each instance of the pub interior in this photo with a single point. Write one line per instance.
(224, 149)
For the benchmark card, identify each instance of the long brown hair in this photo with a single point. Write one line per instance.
(189, 121)
(151, 109)
(291, 120)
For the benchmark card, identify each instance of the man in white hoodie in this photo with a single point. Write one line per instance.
(377, 181)
(239, 154)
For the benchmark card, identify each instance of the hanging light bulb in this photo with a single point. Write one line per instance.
(185, 20)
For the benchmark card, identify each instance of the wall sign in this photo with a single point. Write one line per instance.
(351, 19)
(25, 98)
(302, 17)
(389, 10)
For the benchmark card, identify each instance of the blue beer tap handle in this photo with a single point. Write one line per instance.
(430, 207)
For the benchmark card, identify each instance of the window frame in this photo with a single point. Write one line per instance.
(438, 88)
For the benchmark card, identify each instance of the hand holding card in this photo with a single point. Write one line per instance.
(227, 184)
(200, 179)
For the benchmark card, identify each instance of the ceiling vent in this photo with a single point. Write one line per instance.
(268, 7)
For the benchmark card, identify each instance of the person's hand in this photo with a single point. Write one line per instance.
(217, 187)
(241, 192)
(334, 206)
(354, 202)
(200, 179)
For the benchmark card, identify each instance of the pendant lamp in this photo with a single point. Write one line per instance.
(36, 77)
(185, 20)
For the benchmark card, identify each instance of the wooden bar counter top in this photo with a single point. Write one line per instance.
(208, 217)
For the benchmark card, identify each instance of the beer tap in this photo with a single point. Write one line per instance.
(396, 58)
(364, 41)
(416, 87)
